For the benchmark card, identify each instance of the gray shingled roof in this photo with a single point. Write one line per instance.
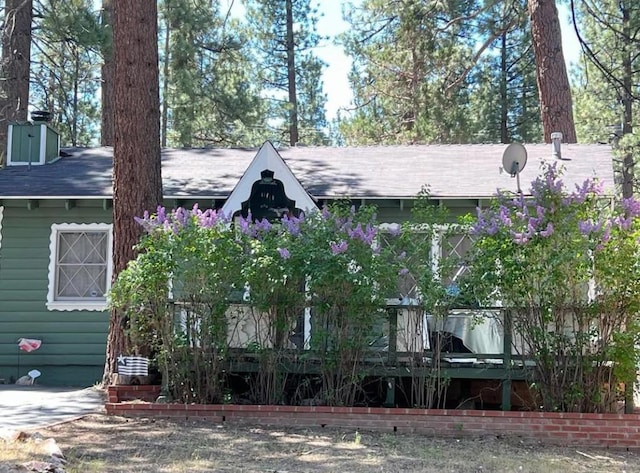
(450, 171)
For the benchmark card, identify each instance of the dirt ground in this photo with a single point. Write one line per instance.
(99, 443)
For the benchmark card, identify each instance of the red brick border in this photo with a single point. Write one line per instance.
(605, 430)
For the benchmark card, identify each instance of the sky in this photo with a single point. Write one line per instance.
(335, 75)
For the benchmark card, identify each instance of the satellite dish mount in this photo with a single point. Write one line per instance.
(514, 160)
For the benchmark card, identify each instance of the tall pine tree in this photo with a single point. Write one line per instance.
(283, 35)
(556, 106)
(137, 183)
(209, 94)
(504, 103)
(608, 77)
(14, 69)
(65, 73)
(413, 69)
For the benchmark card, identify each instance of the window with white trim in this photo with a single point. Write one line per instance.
(80, 266)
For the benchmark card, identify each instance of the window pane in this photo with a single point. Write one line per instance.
(454, 249)
(414, 256)
(82, 247)
(81, 270)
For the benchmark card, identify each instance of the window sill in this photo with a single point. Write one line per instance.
(77, 305)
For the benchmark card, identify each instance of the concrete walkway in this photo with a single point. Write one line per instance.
(34, 407)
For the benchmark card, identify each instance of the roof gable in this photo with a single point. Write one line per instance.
(268, 159)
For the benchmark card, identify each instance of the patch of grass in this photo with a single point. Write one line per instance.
(16, 452)
(117, 445)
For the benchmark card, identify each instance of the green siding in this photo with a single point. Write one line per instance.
(73, 342)
(25, 143)
(51, 146)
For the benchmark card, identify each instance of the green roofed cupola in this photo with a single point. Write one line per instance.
(32, 143)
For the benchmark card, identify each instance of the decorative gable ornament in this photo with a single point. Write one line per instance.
(268, 189)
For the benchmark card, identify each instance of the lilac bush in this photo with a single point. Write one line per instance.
(565, 261)
(176, 295)
(197, 264)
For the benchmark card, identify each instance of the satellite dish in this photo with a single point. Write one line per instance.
(514, 159)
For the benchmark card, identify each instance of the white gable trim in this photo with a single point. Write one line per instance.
(268, 158)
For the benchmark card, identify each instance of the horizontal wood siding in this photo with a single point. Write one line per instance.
(73, 342)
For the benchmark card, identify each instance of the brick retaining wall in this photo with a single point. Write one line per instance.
(608, 430)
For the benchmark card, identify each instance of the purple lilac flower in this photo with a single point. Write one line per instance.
(631, 207)
(337, 248)
(402, 255)
(606, 236)
(370, 233)
(588, 187)
(284, 253)
(520, 238)
(245, 226)
(356, 233)
(263, 225)
(180, 216)
(161, 215)
(144, 222)
(206, 219)
(485, 227)
(586, 227)
(548, 231)
(504, 216)
(325, 213)
(403, 271)
(291, 224)
(622, 222)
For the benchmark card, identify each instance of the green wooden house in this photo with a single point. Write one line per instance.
(56, 219)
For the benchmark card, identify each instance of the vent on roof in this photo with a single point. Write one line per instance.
(32, 143)
(556, 143)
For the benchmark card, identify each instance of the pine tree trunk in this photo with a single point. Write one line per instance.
(291, 75)
(16, 63)
(628, 163)
(504, 100)
(106, 129)
(164, 124)
(553, 82)
(137, 183)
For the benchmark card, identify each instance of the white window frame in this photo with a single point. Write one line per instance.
(100, 304)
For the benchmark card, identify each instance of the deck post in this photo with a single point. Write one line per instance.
(506, 359)
(392, 356)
